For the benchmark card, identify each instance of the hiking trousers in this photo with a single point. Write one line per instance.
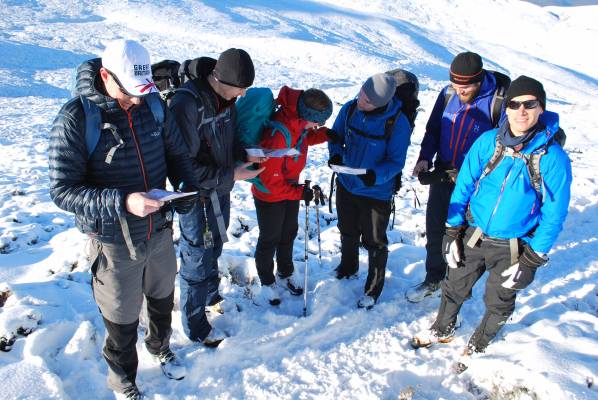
(489, 254)
(199, 279)
(119, 285)
(363, 218)
(278, 229)
(439, 198)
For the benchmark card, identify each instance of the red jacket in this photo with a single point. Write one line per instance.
(281, 175)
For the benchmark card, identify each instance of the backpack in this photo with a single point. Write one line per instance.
(407, 91)
(93, 119)
(502, 84)
(166, 77)
(532, 161)
(254, 115)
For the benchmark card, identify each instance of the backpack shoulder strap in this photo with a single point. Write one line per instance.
(93, 122)
(280, 127)
(390, 123)
(497, 156)
(157, 107)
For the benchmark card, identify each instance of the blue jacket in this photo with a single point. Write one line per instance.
(386, 157)
(451, 131)
(504, 204)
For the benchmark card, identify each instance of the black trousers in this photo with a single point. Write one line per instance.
(278, 229)
(439, 198)
(365, 218)
(494, 256)
(119, 346)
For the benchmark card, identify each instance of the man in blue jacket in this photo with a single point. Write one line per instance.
(363, 201)
(450, 132)
(505, 215)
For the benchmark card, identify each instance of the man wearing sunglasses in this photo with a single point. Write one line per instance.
(454, 124)
(498, 220)
(205, 111)
(105, 185)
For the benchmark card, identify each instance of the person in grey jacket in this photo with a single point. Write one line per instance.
(205, 111)
(105, 185)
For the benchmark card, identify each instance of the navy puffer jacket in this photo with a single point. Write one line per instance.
(95, 191)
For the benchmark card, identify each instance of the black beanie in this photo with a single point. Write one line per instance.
(526, 85)
(235, 68)
(466, 68)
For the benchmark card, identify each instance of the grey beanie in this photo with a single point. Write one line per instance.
(379, 89)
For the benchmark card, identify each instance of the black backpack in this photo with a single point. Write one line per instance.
(502, 84)
(170, 75)
(407, 91)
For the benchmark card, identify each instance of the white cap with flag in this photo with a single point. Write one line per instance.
(130, 63)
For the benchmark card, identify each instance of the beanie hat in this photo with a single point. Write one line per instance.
(466, 69)
(129, 63)
(379, 89)
(235, 68)
(311, 114)
(526, 85)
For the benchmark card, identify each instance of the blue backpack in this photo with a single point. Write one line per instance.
(254, 113)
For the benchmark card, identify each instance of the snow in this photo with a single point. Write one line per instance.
(549, 348)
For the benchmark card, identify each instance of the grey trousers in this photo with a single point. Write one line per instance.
(119, 285)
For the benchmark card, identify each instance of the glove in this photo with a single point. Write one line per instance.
(308, 194)
(521, 274)
(369, 178)
(420, 166)
(336, 159)
(184, 205)
(452, 246)
(333, 137)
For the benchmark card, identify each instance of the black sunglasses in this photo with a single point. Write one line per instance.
(527, 104)
(120, 86)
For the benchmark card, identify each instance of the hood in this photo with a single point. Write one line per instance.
(288, 99)
(488, 85)
(87, 82)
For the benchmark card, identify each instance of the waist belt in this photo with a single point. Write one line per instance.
(478, 235)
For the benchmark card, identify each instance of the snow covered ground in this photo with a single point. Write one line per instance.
(549, 350)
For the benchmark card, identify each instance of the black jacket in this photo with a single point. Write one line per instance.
(95, 191)
(207, 122)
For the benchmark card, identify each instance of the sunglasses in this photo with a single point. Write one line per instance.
(527, 104)
(120, 86)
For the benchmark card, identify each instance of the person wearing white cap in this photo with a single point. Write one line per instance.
(110, 145)
(372, 135)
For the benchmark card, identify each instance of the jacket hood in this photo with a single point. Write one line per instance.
(88, 80)
(488, 85)
(288, 99)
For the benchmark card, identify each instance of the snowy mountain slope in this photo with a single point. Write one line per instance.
(550, 346)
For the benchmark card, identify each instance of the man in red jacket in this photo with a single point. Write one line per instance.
(300, 116)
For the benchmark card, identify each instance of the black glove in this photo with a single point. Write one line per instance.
(184, 205)
(308, 194)
(336, 159)
(369, 178)
(333, 137)
(521, 274)
(452, 246)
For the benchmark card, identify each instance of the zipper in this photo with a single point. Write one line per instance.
(141, 164)
(456, 143)
(502, 189)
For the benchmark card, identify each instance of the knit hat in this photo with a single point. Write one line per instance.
(526, 85)
(379, 89)
(129, 62)
(311, 114)
(466, 69)
(235, 68)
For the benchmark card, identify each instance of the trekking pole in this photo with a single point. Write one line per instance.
(318, 198)
(307, 182)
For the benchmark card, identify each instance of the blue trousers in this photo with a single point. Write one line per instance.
(199, 266)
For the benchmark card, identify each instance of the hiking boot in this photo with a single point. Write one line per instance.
(366, 302)
(130, 393)
(215, 305)
(269, 294)
(429, 337)
(419, 292)
(170, 364)
(341, 273)
(214, 338)
(291, 283)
